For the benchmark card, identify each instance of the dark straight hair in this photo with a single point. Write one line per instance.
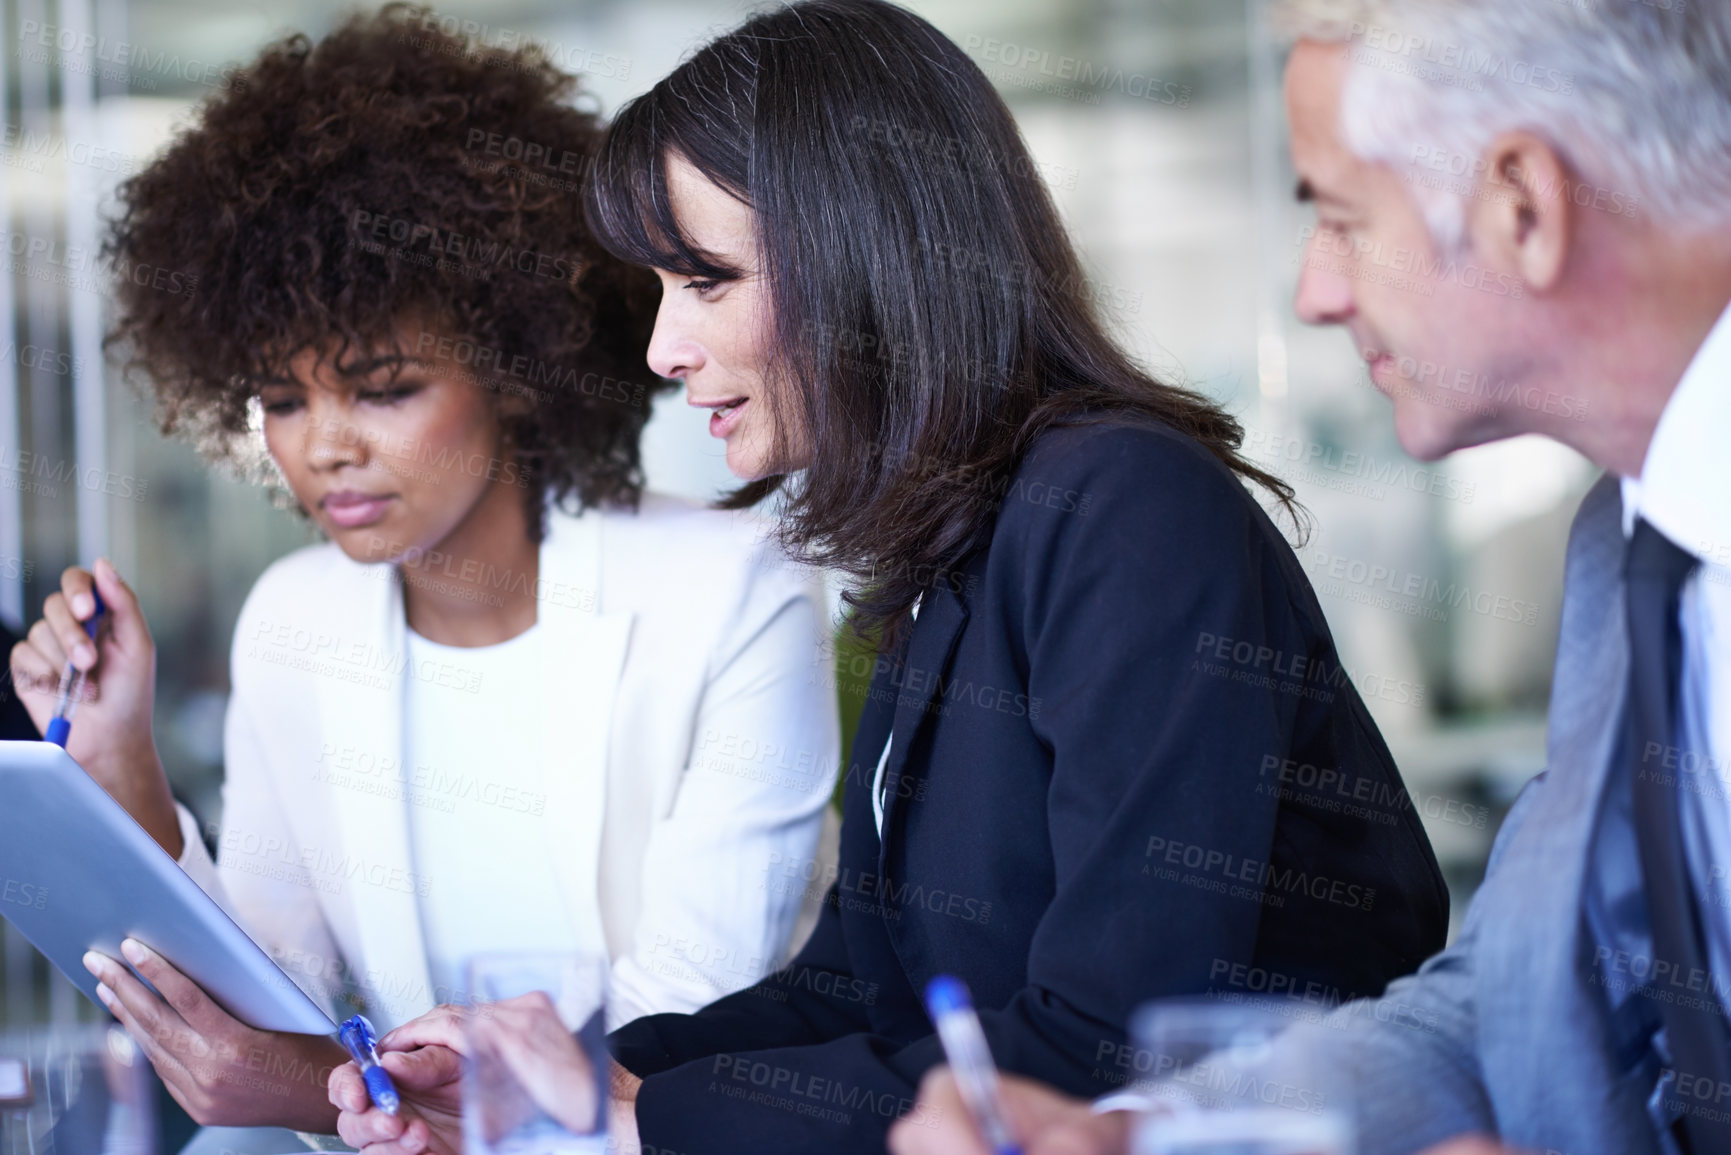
(930, 316)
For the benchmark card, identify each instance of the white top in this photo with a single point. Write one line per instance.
(687, 757)
(478, 826)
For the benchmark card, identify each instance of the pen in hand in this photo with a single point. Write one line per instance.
(72, 684)
(357, 1035)
(970, 1059)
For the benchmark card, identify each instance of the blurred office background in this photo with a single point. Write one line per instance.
(1157, 124)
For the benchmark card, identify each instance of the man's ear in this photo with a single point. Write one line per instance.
(1522, 220)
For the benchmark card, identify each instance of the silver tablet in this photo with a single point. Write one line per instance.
(77, 874)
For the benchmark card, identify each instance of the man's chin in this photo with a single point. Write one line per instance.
(1427, 432)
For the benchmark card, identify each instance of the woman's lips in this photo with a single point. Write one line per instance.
(354, 510)
(726, 417)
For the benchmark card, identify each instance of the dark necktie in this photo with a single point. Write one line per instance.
(1695, 1023)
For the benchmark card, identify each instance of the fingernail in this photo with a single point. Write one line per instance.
(106, 995)
(136, 952)
(85, 654)
(83, 606)
(93, 963)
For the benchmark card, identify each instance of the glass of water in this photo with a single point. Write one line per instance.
(1232, 1078)
(75, 1090)
(535, 1078)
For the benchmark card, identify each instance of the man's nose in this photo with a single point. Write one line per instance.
(1325, 285)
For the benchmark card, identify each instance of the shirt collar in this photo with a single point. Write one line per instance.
(1684, 489)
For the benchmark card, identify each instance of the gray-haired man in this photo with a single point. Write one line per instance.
(1524, 221)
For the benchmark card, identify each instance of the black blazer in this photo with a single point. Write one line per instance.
(1126, 764)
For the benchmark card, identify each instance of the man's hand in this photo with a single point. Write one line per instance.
(1044, 1122)
(222, 1071)
(111, 733)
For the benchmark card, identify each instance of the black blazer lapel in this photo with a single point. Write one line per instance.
(917, 683)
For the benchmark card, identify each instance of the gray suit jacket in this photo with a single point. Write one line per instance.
(1506, 1032)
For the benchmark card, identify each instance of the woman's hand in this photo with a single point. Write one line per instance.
(430, 1119)
(223, 1072)
(523, 1037)
(111, 732)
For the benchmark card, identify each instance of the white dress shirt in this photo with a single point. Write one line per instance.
(1684, 492)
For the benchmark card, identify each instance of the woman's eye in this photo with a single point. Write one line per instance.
(387, 396)
(280, 408)
(703, 287)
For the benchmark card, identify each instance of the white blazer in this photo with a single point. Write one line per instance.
(690, 741)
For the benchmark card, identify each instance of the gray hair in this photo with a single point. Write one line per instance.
(1634, 94)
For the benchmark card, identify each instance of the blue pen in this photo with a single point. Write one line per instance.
(357, 1035)
(72, 684)
(971, 1059)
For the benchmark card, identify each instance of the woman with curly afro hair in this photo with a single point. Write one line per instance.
(513, 702)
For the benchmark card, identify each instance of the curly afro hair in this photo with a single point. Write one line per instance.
(333, 194)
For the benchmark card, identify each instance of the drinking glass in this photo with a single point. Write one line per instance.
(75, 1090)
(535, 1079)
(1236, 1078)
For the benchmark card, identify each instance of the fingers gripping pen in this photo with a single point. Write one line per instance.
(357, 1035)
(72, 685)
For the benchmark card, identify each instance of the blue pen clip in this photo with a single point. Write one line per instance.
(72, 684)
(970, 1060)
(359, 1039)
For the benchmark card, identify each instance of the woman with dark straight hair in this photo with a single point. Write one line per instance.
(1109, 753)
